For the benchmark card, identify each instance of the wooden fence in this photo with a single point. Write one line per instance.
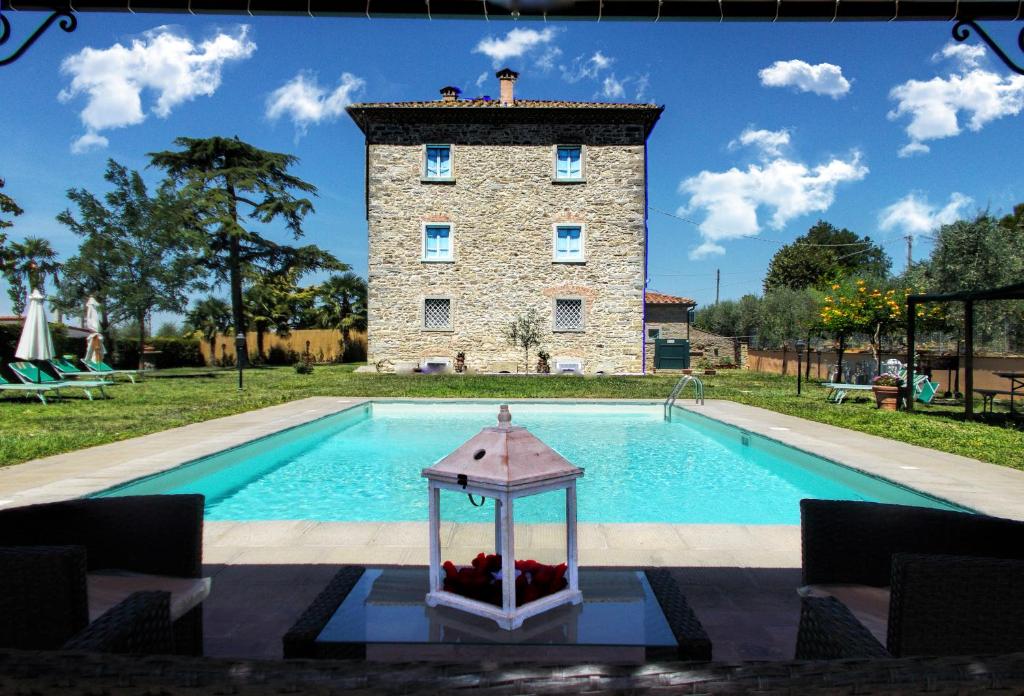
(781, 362)
(323, 344)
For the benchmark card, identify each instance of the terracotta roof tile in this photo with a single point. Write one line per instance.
(651, 297)
(496, 104)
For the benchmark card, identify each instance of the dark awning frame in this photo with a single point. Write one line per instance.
(965, 13)
(968, 297)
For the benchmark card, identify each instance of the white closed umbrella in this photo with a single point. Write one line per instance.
(94, 351)
(36, 343)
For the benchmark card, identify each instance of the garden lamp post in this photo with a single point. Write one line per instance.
(801, 345)
(239, 347)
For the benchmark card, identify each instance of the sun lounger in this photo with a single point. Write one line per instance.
(837, 391)
(66, 369)
(39, 390)
(101, 368)
(30, 374)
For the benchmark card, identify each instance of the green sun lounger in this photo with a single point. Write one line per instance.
(65, 369)
(38, 390)
(30, 374)
(99, 367)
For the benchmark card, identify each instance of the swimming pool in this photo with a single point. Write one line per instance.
(364, 464)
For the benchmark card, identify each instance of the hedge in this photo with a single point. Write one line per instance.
(172, 352)
(11, 333)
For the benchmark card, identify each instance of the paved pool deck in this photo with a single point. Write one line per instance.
(739, 578)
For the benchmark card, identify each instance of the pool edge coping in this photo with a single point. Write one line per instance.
(806, 436)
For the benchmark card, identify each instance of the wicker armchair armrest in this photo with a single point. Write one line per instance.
(956, 605)
(158, 534)
(853, 542)
(43, 599)
(829, 631)
(140, 625)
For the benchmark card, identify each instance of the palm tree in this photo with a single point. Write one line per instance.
(209, 316)
(343, 306)
(31, 260)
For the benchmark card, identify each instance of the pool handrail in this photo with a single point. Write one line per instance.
(698, 393)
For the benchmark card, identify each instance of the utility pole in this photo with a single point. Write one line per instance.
(718, 282)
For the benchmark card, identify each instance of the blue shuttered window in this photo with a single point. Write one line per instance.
(439, 162)
(569, 243)
(437, 243)
(569, 162)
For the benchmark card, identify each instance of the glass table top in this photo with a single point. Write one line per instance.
(387, 606)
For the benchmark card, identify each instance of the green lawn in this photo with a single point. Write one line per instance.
(29, 430)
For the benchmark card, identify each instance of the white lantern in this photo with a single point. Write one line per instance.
(503, 463)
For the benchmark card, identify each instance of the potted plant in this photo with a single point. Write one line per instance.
(543, 367)
(886, 389)
(460, 362)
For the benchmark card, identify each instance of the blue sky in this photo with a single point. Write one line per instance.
(767, 127)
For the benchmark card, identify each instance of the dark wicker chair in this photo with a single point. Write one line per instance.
(47, 550)
(956, 580)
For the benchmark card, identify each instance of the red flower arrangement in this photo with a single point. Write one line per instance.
(482, 580)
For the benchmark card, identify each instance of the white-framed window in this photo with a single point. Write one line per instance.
(437, 162)
(568, 162)
(437, 313)
(653, 332)
(569, 243)
(568, 314)
(437, 242)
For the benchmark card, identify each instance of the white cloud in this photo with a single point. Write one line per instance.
(934, 106)
(516, 43)
(88, 143)
(914, 215)
(643, 82)
(770, 143)
(305, 102)
(481, 79)
(546, 62)
(172, 66)
(784, 188)
(824, 78)
(583, 68)
(612, 88)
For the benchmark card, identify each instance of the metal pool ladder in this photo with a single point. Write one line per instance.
(698, 393)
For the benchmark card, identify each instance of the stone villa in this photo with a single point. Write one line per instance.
(480, 210)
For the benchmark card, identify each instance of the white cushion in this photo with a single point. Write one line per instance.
(108, 588)
(870, 605)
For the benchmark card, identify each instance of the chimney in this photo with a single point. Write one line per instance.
(450, 94)
(507, 78)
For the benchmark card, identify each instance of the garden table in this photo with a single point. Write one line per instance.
(380, 614)
(1016, 382)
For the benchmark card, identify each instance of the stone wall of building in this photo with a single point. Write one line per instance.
(502, 208)
(711, 348)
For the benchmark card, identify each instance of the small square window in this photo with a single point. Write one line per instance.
(569, 315)
(438, 163)
(653, 333)
(568, 243)
(437, 242)
(569, 162)
(437, 313)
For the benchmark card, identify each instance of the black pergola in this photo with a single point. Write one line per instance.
(968, 297)
(964, 14)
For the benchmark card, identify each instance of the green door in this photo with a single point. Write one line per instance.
(671, 353)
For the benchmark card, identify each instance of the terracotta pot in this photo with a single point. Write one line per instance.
(887, 398)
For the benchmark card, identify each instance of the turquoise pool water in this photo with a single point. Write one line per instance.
(364, 465)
